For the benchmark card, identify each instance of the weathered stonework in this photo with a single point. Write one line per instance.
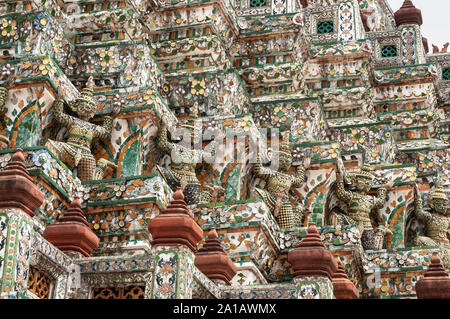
(87, 86)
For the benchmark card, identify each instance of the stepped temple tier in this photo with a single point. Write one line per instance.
(226, 149)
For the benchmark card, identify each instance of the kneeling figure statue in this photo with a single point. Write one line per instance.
(278, 184)
(436, 222)
(76, 151)
(185, 156)
(360, 204)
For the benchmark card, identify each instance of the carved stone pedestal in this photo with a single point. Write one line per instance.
(313, 267)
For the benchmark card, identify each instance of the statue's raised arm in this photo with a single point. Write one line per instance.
(341, 192)
(300, 176)
(162, 140)
(105, 130)
(210, 151)
(260, 170)
(4, 90)
(59, 115)
(418, 206)
(380, 199)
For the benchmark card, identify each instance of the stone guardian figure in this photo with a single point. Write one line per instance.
(184, 159)
(76, 151)
(360, 204)
(436, 222)
(278, 183)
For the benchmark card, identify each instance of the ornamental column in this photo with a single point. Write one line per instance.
(350, 25)
(313, 266)
(19, 199)
(436, 282)
(175, 237)
(408, 20)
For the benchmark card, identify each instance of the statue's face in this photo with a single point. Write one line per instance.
(284, 162)
(85, 109)
(439, 205)
(363, 184)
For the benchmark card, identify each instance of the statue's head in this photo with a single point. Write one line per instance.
(193, 126)
(84, 105)
(284, 156)
(363, 179)
(438, 199)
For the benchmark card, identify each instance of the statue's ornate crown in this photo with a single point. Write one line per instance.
(191, 122)
(438, 192)
(365, 172)
(285, 149)
(87, 94)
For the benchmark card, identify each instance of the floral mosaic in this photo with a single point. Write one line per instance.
(310, 287)
(361, 47)
(248, 67)
(261, 292)
(216, 92)
(391, 260)
(147, 186)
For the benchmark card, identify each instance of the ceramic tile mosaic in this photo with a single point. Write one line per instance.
(313, 287)
(310, 72)
(274, 291)
(17, 241)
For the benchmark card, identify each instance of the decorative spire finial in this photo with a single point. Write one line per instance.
(408, 14)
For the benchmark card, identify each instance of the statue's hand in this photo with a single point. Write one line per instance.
(307, 162)
(388, 185)
(339, 176)
(218, 188)
(416, 191)
(258, 158)
(9, 83)
(60, 93)
(163, 121)
(340, 170)
(116, 110)
(220, 137)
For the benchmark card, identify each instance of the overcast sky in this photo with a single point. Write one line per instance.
(436, 19)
